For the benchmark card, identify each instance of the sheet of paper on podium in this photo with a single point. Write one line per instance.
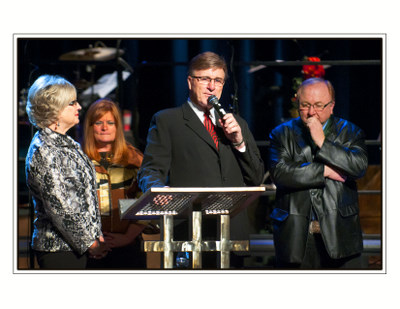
(158, 202)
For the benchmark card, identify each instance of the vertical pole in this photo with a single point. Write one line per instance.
(197, 238)
(168, 238)
(208, 45)
(246, 83)
(180, 54)
(278, 82)
(225, 241)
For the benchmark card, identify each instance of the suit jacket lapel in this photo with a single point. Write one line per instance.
(193, 122)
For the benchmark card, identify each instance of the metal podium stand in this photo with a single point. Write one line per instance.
(173, 202)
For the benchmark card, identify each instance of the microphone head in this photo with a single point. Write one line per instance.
(212, 100)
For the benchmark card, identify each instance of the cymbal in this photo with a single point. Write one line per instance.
(91, 54)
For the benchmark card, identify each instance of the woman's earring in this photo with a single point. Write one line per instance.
(57, 125)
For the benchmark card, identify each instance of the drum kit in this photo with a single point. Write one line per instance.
(92, 54)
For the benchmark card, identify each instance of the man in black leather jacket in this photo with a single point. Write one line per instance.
(314, 162)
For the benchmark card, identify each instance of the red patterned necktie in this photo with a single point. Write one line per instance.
(210, 128)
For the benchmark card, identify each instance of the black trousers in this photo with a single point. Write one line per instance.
(128, 257)
(61, 260)
(316, 257)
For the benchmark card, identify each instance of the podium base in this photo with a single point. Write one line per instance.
(196, 245)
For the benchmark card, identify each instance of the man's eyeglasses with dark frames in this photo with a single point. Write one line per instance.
(205, 80)
(319, 107)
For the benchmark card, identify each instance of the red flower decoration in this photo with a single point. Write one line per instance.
(313, 70)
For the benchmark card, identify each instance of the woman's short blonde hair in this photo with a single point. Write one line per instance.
(47, 97)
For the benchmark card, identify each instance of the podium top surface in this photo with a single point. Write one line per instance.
(162, 201)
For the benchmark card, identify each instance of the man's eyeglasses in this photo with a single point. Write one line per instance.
(319, 107)
(205, 80)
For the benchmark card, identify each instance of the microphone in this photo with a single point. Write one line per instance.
(213, 101)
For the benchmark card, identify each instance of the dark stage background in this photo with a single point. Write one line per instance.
(259, 87)
(263, 97)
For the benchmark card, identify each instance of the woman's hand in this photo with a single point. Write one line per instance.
(99, 249)
(115, 240)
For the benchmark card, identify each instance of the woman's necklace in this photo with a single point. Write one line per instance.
(105, 159)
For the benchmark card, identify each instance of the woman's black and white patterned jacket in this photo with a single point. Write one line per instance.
(62, 181)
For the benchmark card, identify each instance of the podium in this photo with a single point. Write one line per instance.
(170, 203)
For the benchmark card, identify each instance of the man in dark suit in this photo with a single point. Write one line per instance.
(181, 152)
(314, 162)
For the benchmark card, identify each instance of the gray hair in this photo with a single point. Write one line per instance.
(312, 81)
(47, 97)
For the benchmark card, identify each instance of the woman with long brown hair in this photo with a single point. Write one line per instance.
(116, 163)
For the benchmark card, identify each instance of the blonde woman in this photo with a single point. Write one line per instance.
(61, 179)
